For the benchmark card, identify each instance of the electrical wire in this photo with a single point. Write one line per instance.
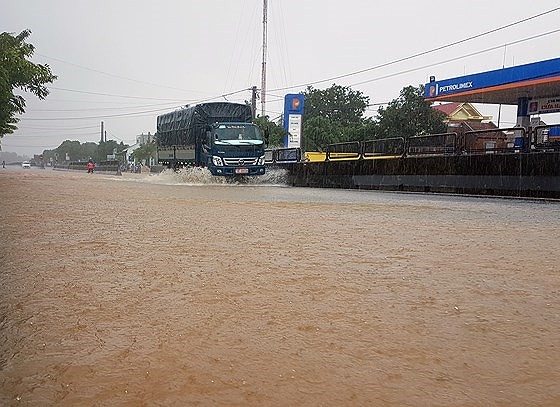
(117, 76)
(234, 50)
(55, 128)
(419, 54)
(102, 108)
(141, 113)
(147, 112)
(455, 59)
(109, 94)
(26, 135)
(33, 146)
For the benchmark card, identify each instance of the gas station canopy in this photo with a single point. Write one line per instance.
(502, 86)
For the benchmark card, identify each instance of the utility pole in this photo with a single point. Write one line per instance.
(254, 101)
(263, 84)
(102, 132)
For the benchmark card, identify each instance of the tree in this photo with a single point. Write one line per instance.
(275, 131)
(144, 152)
(409, 115)
(75, 151)
(17, 72)
(366, 130)
(334, 115)
(106, 148)
(319, 132)
(338, 104)
(71, 149)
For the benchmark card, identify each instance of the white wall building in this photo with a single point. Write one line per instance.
(141, 139)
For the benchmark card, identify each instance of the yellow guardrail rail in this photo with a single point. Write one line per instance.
(317, 156)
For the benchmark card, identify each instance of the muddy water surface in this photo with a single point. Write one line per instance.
(139, 290)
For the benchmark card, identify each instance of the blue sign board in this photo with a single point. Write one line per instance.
(293, 114)
(500, 77)
(554, 133)
(293, 104)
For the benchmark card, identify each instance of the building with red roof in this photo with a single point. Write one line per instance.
(463, 117)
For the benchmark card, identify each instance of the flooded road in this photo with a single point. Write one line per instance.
(157, 290)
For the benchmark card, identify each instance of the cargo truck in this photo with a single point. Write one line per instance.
(218, 135)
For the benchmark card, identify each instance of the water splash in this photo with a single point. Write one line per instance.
(202, 176)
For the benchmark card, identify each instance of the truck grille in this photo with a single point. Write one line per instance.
(240, 162)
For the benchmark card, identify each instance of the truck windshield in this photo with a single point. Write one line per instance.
(230, 132)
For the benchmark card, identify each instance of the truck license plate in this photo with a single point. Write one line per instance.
(242, 170)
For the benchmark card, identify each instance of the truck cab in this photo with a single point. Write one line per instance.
(233, 149)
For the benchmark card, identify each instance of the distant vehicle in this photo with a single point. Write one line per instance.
(218, 135)
(26, 164)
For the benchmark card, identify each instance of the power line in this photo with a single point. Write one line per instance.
(420, 53)
(61, 135)
(101, 108)
(111, 95)
(117, 76)
(27, 145)
(53, 128)
(145, 112)
(150, 98)
(141, 113)
(454, 59)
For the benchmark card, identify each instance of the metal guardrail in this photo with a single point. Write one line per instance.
(344, 151)
(394, 146)
(283, 155)
(433, 144)
(489, 140)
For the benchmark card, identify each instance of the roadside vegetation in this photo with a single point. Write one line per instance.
(338, 114)
(333, 115)
(76, 151)
(18, 73)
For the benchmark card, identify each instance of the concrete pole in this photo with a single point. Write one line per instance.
(263, 84)
(523, 120)
(254, 101)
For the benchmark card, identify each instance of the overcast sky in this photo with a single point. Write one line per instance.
(124, 62)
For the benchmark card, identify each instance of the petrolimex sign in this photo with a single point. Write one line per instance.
(436, 89)
(515, 75)
(546, 105)
(293, 118)
(439, 89)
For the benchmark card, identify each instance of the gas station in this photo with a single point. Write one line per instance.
(520, 161)
(534, 88)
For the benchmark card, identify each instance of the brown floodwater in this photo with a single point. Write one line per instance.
(175, 289)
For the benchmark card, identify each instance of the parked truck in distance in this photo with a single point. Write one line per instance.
(217, 135)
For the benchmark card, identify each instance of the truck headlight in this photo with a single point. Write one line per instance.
(261, 159)
(217, 161)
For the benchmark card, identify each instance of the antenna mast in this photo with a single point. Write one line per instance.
(263, 83)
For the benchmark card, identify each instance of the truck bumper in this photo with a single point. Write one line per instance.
(238, 171)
